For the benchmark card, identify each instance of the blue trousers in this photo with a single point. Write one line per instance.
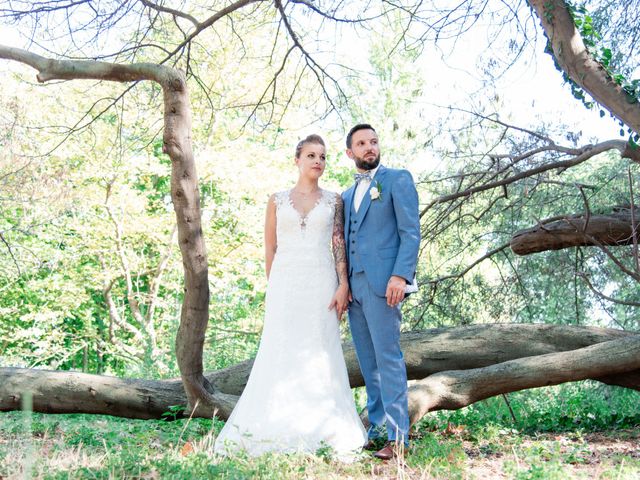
(375, 328)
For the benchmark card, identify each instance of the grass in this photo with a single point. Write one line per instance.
(581, 430)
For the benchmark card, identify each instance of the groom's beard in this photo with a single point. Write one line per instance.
(364, 164)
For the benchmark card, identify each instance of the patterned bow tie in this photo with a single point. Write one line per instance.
(358, 177)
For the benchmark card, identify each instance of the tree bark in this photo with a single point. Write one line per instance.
(74, 392)
(576, 230)
(460, 348)
(574, 59)
(475, 352)
(186, 202)
(456, 389)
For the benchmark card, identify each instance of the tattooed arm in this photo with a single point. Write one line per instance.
(340, 300)
(339, 247)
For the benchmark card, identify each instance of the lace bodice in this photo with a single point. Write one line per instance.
(305, 237)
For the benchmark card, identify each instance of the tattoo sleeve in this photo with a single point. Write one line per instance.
(337, 241)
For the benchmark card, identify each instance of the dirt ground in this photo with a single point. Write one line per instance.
(590, 455)
(606, 455)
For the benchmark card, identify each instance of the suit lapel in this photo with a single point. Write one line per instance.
(348, 202)
(366, 200)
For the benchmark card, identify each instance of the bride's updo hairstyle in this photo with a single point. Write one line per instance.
(313, 138)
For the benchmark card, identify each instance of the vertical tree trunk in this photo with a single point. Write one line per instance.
(186, 203)
(575, 60)
(201, 396)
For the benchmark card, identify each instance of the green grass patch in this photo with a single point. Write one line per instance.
(559, 432)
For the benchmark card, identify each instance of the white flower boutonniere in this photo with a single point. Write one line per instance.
(375, 192)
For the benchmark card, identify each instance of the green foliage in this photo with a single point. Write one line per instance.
(174, 412)
(445, 459)
(341, 175)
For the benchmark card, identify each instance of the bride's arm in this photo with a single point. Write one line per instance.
(340, 300)
(339, 250)
(270, 240)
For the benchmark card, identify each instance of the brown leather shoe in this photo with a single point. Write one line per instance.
(389, 451)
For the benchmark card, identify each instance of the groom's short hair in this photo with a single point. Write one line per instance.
(360, 126)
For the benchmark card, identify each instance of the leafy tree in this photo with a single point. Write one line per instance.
(155, 40)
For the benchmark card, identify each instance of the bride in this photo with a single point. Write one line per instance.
(297, 398)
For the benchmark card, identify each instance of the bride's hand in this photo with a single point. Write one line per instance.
(340, 300)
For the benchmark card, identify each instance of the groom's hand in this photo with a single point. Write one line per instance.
(395, 290)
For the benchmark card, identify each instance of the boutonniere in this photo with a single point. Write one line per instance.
(375, 192)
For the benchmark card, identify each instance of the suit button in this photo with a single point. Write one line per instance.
(353, 241)
(353, 252)
(353, 231)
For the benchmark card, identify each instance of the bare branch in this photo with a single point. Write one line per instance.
(478, 261)
(606, 297)
(207, 23)
(330, 16)
(6, 244)
(317, 70)
(616, 260)
(175, 13)
(156, 280)
(586, 154)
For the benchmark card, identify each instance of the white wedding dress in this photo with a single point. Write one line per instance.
(298, 398)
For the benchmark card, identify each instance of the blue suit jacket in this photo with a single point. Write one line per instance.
(387, 235)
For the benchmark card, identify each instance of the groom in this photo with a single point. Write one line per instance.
(382, 234)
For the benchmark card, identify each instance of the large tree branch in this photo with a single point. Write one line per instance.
(573, 57)
(615, 228)
(456, 389)
(440, 349)
(50, 69)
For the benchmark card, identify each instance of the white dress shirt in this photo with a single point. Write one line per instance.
(362, 189)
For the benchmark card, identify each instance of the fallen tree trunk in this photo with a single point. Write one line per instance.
(456, 389)
(576, 230)
(440, 349)
(426, 353)
(74, 392)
